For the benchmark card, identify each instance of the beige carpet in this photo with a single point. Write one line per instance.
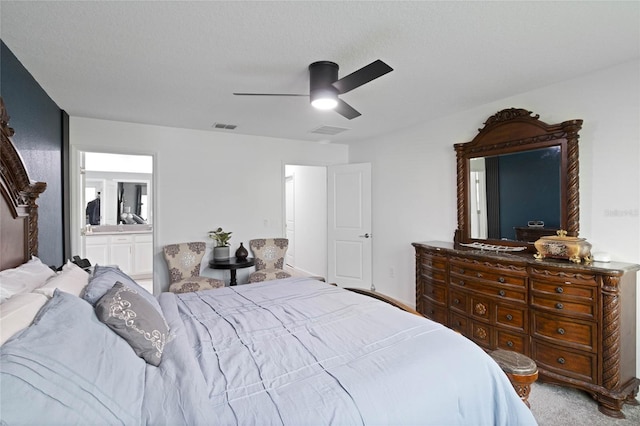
(553, 405)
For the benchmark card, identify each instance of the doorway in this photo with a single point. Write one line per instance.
(305, 220)
(327, 216)
(113, 212)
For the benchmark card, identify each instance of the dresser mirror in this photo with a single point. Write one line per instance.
(518, 180)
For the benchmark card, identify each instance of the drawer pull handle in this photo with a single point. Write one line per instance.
(510, 343)
(561, 330)
(561, 360)
(501, 280)
(509, 317)
(461, 270)
(432, 312)
(559, 290)
(461, 282)
(456, 301)
(501, 293)
(459, 323)
(559, 305)
(479, 275)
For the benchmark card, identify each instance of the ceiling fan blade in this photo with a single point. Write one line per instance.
(364, 75)
(346, 110)
(269, 94)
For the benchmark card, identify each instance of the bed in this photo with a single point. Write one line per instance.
(98, 349)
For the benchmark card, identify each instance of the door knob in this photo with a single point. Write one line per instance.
(367, 235)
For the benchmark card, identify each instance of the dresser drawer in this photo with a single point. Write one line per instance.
(459, 323)
(570, 363)
(564, 289)
(564, 305)
(482, 334)
(509, 292)
(512, 341)
(512, 317)
(481, 308)
(458, 301)
(492, 274)
(563, 276)
(433, 275)
(567, 331)
(433, 262)
(435, 292)
(434, 312)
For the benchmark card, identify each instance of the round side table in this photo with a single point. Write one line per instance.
(232, 264)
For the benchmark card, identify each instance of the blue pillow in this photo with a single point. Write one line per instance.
(103, 280)
(69, 368)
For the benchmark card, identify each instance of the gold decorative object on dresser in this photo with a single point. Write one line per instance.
(576, 321)
(562, 247)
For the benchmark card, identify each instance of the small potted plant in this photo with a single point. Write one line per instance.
(221, 250)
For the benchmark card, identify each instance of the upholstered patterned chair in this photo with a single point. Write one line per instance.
(184, 261)
(269, 259)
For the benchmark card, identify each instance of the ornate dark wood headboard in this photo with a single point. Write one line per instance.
(18, 209)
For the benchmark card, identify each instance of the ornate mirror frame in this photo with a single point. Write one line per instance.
(516, 130)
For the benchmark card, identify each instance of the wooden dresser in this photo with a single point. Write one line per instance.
(577, 322)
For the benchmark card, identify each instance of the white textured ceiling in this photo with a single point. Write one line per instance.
(178, 63)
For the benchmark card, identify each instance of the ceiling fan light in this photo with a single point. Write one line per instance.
(324, 99)
(324, 103)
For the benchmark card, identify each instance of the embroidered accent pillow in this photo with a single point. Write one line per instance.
(133, 318)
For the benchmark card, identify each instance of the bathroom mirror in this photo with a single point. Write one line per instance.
(132, 203)
(518, 180)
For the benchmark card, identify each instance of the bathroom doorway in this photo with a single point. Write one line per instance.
(114, 211)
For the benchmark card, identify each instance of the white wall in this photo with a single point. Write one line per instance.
(414, 181)
(204, 180)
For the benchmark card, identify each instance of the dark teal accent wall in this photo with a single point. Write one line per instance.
(38, 125)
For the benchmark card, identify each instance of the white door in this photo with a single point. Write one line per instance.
(349, 225)
(290, 219)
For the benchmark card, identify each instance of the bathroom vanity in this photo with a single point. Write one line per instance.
(128, 246)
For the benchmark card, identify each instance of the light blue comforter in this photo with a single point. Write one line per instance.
(286, 352)
(301, 352)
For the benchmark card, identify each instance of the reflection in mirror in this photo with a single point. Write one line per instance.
(132, 203)
(512, 192)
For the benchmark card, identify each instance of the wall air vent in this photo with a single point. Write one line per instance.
(328, 130)
(224, 126)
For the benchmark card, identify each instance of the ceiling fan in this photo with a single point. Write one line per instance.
(324, 86)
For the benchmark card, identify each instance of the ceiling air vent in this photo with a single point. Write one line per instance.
(328, 130)
(224, 126)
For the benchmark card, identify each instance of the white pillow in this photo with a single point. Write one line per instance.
(18, 313)
(24, 278)
(72, 279)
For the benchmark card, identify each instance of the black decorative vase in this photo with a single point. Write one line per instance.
(241, 253)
